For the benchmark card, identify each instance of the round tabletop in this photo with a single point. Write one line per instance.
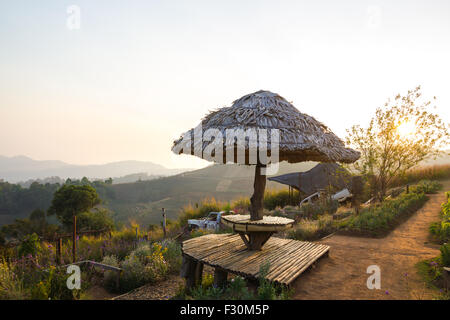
(242, 223)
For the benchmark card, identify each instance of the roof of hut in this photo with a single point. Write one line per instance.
(302, 138)
(321, 176)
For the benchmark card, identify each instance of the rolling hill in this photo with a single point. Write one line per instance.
(142, 201)
(21, 168)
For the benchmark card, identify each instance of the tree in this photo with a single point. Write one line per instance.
(96, 219)
(399, 136)
(71, 200)
(35, 223)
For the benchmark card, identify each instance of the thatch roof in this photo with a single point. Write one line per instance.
(321, 176)
(302, 138)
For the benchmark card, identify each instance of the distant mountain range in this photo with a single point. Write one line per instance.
(22, 168)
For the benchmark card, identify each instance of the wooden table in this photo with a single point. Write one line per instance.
(256, 233)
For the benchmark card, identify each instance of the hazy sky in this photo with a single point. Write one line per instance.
(139, 73)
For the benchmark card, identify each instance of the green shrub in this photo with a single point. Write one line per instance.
(172, 255)
(380, 219)
(441, 230)
(236, 289)
(11, 287)
(324, 205)
(30, 245)
(426, 186)
(445, 255)
(148, 263)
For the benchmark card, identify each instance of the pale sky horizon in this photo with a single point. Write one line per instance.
(136, 75)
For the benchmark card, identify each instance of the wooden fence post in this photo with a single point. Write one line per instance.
(164, 221)
(74, 240)
(59, 251)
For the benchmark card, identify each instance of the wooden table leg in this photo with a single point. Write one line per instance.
(255, 240)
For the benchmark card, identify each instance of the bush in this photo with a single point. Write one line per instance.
(11, 287)
(96, 219)
(445, 255)
(148, 263)
(379, 220)
(236, 289)
(53, 286)
(324, 205)
(427, 187)
(29, 246)
(309, 230)
(172, 254)
(441, 229)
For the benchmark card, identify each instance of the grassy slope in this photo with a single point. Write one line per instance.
(142, 201)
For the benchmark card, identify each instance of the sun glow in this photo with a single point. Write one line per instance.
(406, 128)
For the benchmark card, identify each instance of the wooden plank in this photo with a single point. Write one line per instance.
(272, 259)
(294, 275)
(297, 261)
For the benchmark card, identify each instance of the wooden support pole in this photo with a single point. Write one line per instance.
(256, 207)
(74, 239)
(220, 277)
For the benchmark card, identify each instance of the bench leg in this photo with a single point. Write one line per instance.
(220, 277)
(198, 273)
(191, 270)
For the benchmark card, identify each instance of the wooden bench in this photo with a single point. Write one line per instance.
(227, 253)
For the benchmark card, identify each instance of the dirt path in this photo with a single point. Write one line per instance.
(343, 274)
(160, 291)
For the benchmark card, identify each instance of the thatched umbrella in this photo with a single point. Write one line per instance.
(301, 137)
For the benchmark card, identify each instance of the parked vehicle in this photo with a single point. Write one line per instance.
(211, 222)
(340, 196)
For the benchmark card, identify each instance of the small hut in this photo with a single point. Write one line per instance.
(323, 176)
(300, 138)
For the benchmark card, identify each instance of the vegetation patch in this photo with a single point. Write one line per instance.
(236, 289)
(431, 271)
(441, 230)
(379, 220)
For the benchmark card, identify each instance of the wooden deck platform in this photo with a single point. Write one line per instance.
(288, 258)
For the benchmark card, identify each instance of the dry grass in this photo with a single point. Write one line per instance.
(435, 172)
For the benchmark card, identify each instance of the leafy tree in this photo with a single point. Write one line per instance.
(96, 219)
(71, 200)
(399, 136)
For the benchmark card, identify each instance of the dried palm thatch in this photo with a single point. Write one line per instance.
(301, 137)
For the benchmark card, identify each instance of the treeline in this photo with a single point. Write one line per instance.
(18, 201)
